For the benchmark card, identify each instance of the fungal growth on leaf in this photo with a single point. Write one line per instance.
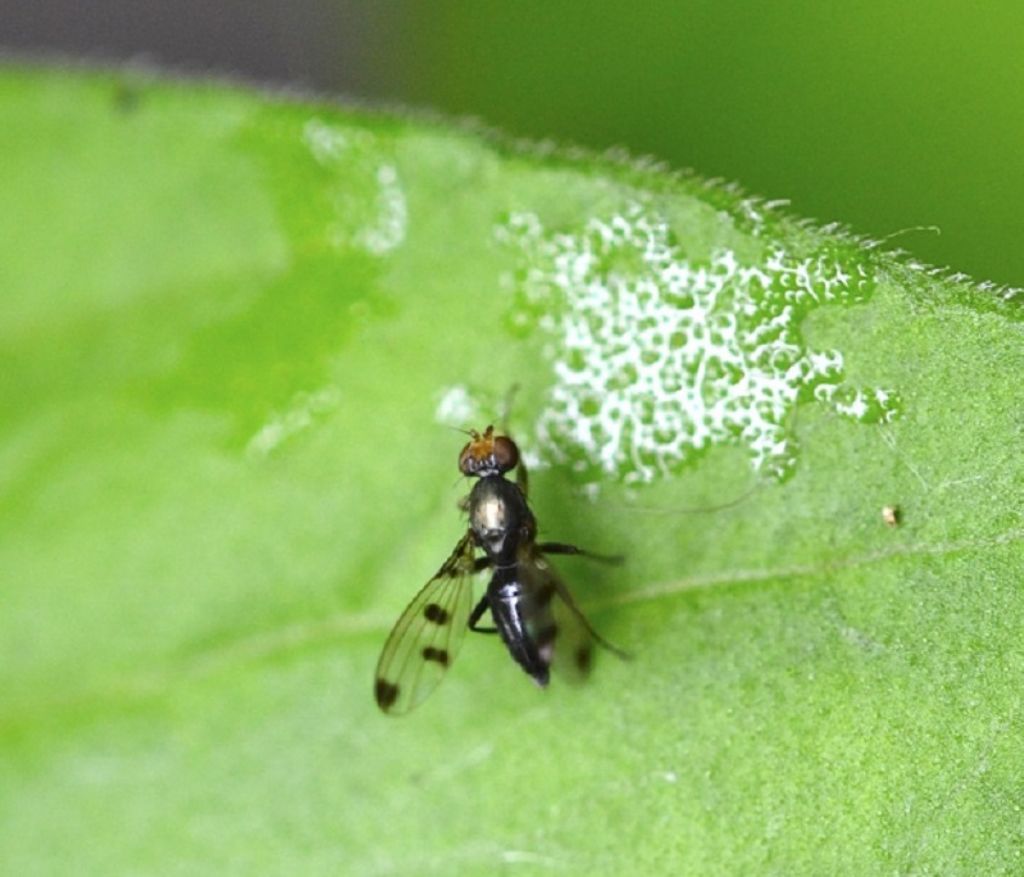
(657, 357)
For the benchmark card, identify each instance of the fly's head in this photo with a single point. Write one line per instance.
(488, 454)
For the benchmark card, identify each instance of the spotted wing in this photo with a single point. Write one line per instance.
(565, 638)
(425, 640)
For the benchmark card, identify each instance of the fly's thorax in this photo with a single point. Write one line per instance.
(499, 517)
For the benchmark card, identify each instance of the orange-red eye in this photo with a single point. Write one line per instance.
(506, 454)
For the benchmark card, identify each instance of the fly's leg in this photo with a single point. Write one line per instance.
(477, 613)
(563, 548)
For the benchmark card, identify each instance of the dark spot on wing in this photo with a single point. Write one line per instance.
(433, 612)
(439, 655)
(545, 593)
(386, 693)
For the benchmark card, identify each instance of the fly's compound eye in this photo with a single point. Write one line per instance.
(506, 454)
(467, 461)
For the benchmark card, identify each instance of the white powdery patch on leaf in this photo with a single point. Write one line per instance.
(387, 232)
(303, 411)
(457, 406)
(369, 202)
(657, 358)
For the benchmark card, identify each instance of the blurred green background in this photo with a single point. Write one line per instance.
(881, 115)
(884, 116)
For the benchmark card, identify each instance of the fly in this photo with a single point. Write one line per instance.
(530, 606)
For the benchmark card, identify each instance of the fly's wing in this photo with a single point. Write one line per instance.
(565, 639)
(425, 640)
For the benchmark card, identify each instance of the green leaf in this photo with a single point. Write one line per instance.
(236, 328)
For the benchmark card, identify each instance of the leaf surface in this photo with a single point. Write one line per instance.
(236, 329)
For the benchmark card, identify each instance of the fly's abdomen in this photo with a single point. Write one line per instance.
(514, 618)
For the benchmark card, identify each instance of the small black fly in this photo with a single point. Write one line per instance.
(532, 609)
